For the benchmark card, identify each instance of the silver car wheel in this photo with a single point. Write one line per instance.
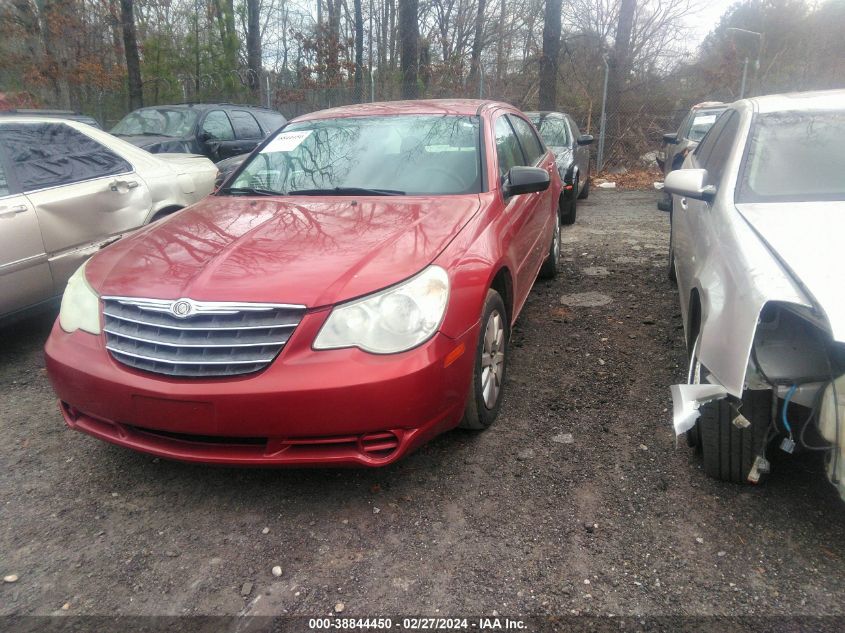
(492, 359)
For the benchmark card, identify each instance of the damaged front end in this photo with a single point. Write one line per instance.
(793, 399)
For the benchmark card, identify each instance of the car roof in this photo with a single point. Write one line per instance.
(206, 106)
(28, 118)
(816, 100)
(709, 104)
(467, 107)
(546, 113)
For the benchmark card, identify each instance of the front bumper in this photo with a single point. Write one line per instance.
(336, 407)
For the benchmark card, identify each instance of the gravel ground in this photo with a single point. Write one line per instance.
(577, 501)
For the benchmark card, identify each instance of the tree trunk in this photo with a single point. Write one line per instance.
(477, 44)
(359, 51)
(619, 64)
(409, 36)
(253, 45)
(130, 49)
(551, 56)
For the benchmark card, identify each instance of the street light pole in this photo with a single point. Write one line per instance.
(756, 63)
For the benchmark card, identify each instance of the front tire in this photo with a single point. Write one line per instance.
(488, 375)
(728, 451)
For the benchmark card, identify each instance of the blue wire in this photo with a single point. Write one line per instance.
(786, 400)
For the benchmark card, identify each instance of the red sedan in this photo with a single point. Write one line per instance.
(347, 295)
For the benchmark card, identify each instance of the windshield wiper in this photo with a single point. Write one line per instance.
(346, 191)
(249, 191)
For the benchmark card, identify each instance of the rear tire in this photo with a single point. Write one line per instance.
(480, 411)
(728, 451)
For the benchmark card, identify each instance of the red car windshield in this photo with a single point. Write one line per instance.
(379, 155)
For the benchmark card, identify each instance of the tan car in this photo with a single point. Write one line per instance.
(66, 190)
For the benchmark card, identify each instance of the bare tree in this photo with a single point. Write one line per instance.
(253, 44)
(551, 55)
(359, 51)
(409, 36)
(477, 44)
(619, 62)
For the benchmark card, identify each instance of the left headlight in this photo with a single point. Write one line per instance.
(80, 305)
(391, 320)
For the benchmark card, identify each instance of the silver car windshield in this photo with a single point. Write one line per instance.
(388, 155)
(794, 157)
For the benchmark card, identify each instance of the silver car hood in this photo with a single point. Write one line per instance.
(807, 238)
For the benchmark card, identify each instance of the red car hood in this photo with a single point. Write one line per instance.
(309, 251)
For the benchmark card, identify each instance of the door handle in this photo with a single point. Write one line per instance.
(684, 204)
(19, 208)
(116, 185)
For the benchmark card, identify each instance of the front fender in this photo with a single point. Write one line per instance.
(736, 279)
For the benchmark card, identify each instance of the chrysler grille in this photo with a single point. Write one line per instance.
(197, 338)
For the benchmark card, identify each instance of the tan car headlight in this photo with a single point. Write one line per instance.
(80, 305)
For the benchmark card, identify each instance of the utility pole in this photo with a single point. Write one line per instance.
(756, 63)
(600, 157)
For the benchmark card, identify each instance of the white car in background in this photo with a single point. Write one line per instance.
(758, 227)
(66, 190)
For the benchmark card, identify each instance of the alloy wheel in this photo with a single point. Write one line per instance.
(493, 359)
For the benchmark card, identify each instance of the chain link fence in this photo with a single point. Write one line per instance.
(630, 138)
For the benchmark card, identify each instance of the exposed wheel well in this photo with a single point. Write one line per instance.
(504, 286)
(158, 215)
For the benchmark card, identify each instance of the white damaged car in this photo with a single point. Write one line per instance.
(758, 222)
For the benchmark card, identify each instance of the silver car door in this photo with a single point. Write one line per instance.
(692, 230)
(25, 278)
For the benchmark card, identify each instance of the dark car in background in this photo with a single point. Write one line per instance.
(677, 145)
(215, 130)
(70, 115)
(572, 156)
(227, 167)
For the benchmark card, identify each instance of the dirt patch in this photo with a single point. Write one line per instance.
(515, 519)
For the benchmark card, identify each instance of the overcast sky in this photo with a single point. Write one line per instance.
(707, 18)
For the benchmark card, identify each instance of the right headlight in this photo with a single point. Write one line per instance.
(80, 305)
(391, 320)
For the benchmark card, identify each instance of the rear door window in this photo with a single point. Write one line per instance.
(246, 127)
(217, 125)
(531, 145)
(53, 154)
(270, 121)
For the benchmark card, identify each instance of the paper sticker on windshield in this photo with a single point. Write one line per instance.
(708, 119)
(286, 141)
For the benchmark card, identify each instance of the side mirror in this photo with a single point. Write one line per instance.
(670, 139)
(522, 180)
(689, 183)
(585, 139)
(205, 137)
